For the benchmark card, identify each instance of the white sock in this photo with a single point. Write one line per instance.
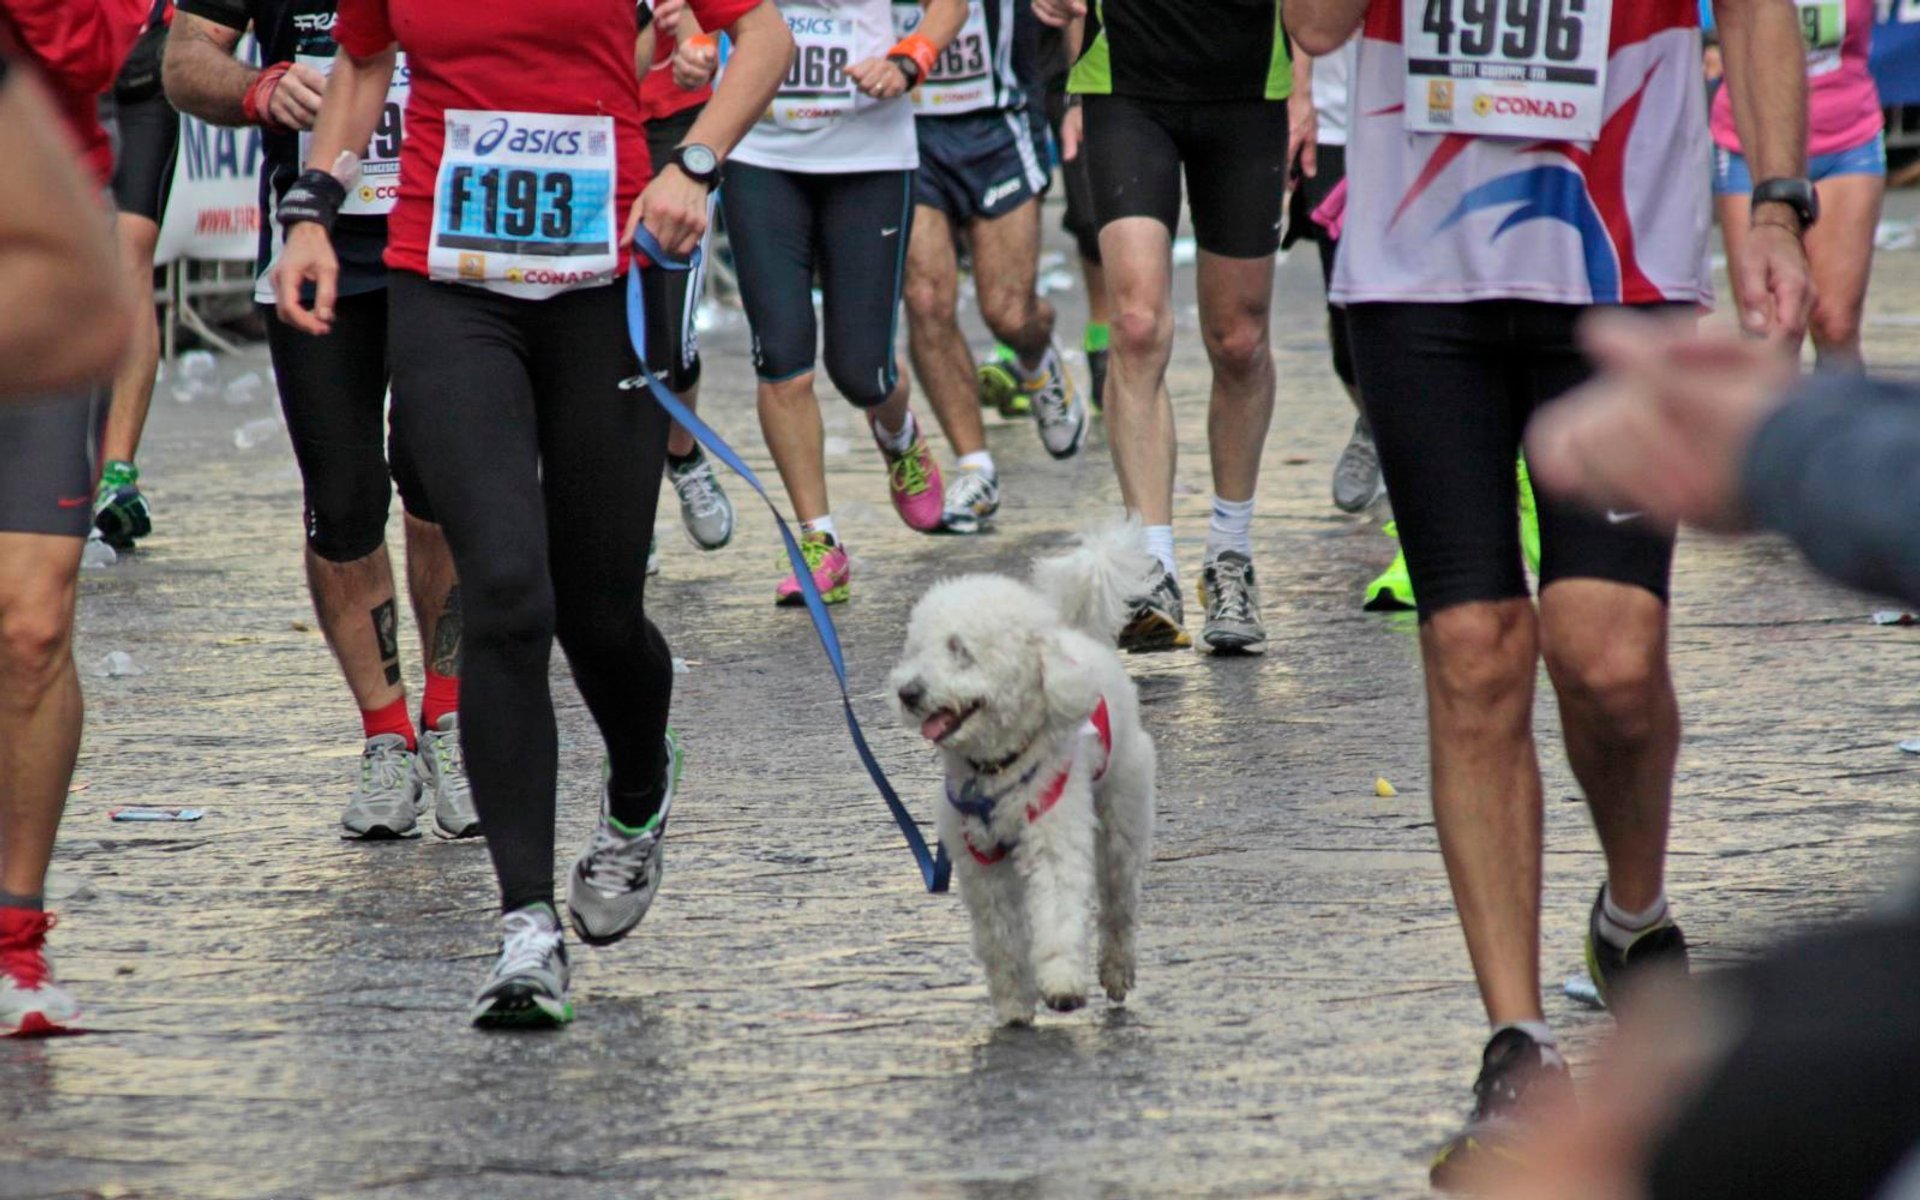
(1542, 1036)
(823, 524)
(1160, 545)
(895, 441)
(981, 461)
(1231, 527)
(1618, 927)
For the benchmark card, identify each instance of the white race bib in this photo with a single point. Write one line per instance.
(817, 90)
(962, 77)
(523, 203)
(1823, 23)
(379, 184)
(1507, 68)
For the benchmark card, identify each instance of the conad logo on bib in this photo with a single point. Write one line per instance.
(1525, 106)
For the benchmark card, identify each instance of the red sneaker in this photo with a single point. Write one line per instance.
(30, 1004)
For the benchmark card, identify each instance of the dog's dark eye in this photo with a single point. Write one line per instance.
(958, 649)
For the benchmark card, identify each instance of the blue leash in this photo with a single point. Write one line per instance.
(935, 869)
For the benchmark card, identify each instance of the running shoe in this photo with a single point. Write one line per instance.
(832, 572)
(30, 1004)
(1357, 482)
(1231, 597)
(442, 769)
(386, 804)
(1058, 411)
(913, 478)
(1097, 375)
(704, 507)
(1000, 384)
(1519, 1081)
(1392, 589)
(120, 512)
(1529, 518)
(614, 880)
(972, 499)
(1157, 620)
(653, 555)
(527, 988)
(1662, 948)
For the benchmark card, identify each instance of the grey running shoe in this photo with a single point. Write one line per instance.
(704, 507)
(387, 802)
(527, 988)
(442, 769)
(614, 880)
(1158, 620)
(971, 500)
(1356, 477)
(1232, 600)
(653, 556)
(1058, 411)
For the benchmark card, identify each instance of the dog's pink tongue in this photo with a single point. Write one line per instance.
(938, 725)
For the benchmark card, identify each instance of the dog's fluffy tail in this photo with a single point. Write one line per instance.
(1092, 584)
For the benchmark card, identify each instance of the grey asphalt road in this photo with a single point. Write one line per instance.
(280, 1014)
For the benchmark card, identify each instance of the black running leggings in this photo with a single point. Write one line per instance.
(544, 473)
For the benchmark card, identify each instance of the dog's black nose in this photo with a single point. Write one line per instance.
(911, 694)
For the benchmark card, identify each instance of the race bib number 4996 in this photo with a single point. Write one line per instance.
(1507, 68)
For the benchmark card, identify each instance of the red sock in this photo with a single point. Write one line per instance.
(390, 719)
(443, 697)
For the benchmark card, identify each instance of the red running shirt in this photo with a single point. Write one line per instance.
(79, 46)
(570, 57)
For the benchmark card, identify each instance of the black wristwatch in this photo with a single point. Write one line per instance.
(908, 67)
(1797, 194)
(698, 163)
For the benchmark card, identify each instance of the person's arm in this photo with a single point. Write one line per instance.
(65, 317)
(1303, 120)
(885, 76)
(1323, 26)
(1765, 63)
(674, 206)
(204, 79)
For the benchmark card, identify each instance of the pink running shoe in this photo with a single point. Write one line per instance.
(831, 572)
(914, 479)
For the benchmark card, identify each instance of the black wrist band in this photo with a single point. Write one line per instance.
(316, 196)
(908, 68)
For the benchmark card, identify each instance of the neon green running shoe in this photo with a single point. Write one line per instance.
(1392, 589)
(1000, 384)
(120, 512)
(1529, 519)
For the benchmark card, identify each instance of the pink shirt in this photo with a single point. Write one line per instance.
(1843, 106)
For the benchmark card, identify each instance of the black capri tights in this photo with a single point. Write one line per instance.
(1448, 389)
(333, 391)
(853, 229)
(545, 473)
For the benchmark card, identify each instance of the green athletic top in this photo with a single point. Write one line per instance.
(1184, 50)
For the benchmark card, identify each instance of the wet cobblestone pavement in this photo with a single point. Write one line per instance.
(281, 1014)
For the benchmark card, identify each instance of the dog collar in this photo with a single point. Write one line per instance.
(972, 802)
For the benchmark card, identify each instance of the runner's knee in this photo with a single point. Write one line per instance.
(1480, 660)
(930, 298)
(864, 377)
(1619, 681)
(1141, 332)
(1010, 310)
(347, 504)
(507, 601)
(1237, 347)
(36, 636)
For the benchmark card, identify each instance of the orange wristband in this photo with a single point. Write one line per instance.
(916, 47)
(704, 41)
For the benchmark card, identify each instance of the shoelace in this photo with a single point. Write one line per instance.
(815, 552)
(450, 760)
(971, 489)
(1230, 594)
(908, 474)
(698, 491)
(526, 943)
(1363, 457)
(1050, 404)
(616, 862)
(384, 770)
(23, 957)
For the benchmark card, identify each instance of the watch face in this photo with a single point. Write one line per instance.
(698, 160)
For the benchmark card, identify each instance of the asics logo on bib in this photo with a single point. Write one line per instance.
(525, 141)
(1526, 106)
(817, 26)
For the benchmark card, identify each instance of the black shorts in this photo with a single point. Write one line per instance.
(1448, 389)
(852, 229)
(1078, 219)
(333, 391)
(143, 168)
(684, 289)
(1308, 194)
(49, 460)
(978, 165)
(1234, 152)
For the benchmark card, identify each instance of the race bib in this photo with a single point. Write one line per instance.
(962, 77)
(817, 90)
(1507, 68)
(1823, 23)
(379, 184)
(523, 203)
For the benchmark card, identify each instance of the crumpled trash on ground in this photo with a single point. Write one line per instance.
(97, 554)
(116, 664)
(245, 389)
(255, 432)
(1895, 235)
(1581, 990)
(1890, 616)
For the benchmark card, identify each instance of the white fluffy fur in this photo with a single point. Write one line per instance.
(1027, 664)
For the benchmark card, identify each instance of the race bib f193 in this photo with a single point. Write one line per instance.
(1507, 68)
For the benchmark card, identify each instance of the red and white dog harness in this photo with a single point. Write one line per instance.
(1098, 725)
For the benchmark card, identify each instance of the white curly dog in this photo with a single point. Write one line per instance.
(1048, 813)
